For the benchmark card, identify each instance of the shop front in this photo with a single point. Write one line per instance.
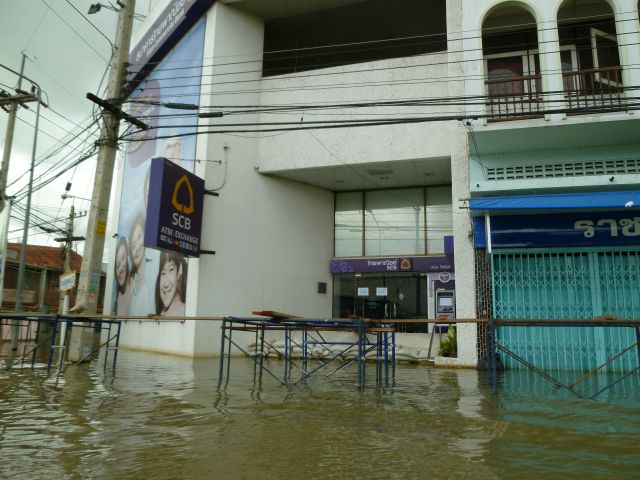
(579, 264)
(394, 288)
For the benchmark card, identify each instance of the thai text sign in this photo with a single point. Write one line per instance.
(430, 263)
(174, 208)
(67, 281)
(568, 229)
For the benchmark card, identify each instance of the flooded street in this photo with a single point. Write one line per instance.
(166, 417)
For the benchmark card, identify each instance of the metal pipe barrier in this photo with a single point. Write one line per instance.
(493, 346)
(109, 326)
(371, 337)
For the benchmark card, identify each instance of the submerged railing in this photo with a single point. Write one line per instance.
(494, 346)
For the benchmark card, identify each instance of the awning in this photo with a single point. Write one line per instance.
(562, 201)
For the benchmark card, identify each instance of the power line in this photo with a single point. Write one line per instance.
(458, 117)
(75, 31)
(37, 27)
(92, 24)
(450, 37)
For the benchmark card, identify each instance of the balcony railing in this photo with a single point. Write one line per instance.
(594, 89)
(586, 91)
(514, 98)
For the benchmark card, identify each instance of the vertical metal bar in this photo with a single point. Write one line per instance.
(361, 352)
(229, 352)
(304, 351)
(287, 354)
(386, 358)
(35, 348)
(108, 345)
(54, 331)
(255, 356)
(25, 347)
(222, 347)
(378, 358)
(63, 344)
(115, 352)
(494, 377)
(261, 352)
(393, 356)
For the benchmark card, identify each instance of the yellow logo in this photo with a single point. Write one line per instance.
(405, 264)
(186, 209)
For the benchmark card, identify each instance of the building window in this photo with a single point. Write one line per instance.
(361, 32)
(348, 224)
(394, 222)
(411, 221)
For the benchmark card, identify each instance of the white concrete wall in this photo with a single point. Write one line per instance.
(421, 76)
(459, 151)
(273, 237)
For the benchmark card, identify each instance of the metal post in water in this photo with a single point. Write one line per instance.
(223, 328)
(115, 352)
(53, 342)
(261, 352)
(35, 348)
(386, 358)
(493, 352)
(393, 356)
(255, 356)
(107, 346)
(286, 354)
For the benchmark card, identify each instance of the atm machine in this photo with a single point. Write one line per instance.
(445, 303)
(445, 308)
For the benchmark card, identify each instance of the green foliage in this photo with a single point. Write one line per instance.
(449, 346)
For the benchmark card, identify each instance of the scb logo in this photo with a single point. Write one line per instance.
(186, 208)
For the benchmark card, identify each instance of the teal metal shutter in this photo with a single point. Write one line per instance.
(565, 285)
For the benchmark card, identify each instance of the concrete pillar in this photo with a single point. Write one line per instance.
(628, 32)
(467, 39)
(462, 49)
(550, 64)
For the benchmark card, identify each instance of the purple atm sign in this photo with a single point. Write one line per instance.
(174, 209)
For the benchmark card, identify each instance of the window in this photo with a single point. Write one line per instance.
(362, 32)
(348, 224)
(394, 222)
(410, 221)
(604, 49)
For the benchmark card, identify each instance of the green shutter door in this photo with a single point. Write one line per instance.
(544, 284)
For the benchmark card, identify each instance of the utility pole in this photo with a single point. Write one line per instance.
(68, 248)
(89, 282)
(25, 232)
(8, 139)
(68, 240)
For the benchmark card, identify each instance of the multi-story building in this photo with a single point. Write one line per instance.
(410, 148)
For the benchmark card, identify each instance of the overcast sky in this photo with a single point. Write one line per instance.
(67, 57)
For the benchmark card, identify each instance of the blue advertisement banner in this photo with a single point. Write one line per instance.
(146, 280)
(389, 264)
(174, 209)
(172, 23)
(560, 230)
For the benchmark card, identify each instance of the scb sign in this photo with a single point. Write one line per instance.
(174, 209)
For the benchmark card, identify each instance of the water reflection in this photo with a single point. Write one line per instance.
(166, 417)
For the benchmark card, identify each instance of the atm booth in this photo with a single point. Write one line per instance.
(395, 288)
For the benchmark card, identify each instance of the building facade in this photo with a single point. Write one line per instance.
(350, 142)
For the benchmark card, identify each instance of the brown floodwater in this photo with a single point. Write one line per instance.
(163, 417)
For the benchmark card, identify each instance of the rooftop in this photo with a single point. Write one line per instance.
(43, 256)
